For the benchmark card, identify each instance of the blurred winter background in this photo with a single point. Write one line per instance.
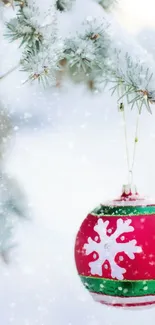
(66, 151)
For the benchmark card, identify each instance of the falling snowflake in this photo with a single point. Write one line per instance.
(108, 247)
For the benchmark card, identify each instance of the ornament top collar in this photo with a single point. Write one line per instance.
(130, 197)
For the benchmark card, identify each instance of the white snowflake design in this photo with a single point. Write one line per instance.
(108, 248)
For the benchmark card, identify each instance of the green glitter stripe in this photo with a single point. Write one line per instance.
(123, 210)
(119, 288)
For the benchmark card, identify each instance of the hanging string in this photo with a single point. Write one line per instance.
(126, 140)
(135, 146)
(130, 170)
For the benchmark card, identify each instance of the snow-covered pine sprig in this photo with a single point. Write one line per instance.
(26, 27)
(87, 51)
(132, 80)
(64, 5)
(31, 26)
(89, 54)
(42, 48)
(43, 65)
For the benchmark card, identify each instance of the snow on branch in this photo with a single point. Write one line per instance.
(86, 52)
(91, 55)
(30, 26)
(42, 65)
(38, 35)
(133, 80)
(26, 26)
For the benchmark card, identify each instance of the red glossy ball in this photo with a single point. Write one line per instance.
(115, 252)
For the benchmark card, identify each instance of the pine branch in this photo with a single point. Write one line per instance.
(31, 27)
(89, 55)
(25, 27)
(87, 52)
(9, 71)
(133, 82)
(41, 48)
(43, 65)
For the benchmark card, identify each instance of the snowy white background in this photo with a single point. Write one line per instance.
(68, 158)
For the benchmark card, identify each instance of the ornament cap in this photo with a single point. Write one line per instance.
(129, 190)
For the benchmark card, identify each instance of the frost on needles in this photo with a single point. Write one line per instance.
(90, 55)
(42, 50)
(87, 51)
(132, 79)
(28, 26)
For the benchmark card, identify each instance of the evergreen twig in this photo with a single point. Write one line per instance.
(6, 74)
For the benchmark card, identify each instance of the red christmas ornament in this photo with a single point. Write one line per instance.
(115, 251)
